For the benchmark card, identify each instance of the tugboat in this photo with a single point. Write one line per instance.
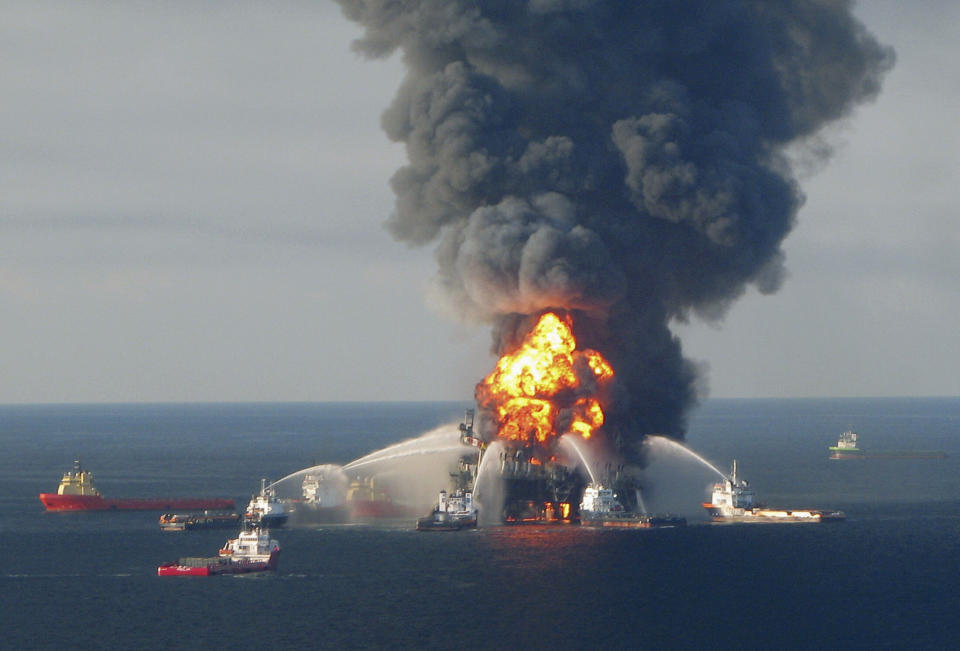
(265, 510)
(733, 501)
(251, 551)
(194, 521)
(453, 512)
(601, 508)
(77, 493)
(457, 510)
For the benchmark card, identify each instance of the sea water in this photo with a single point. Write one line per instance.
(887, 577)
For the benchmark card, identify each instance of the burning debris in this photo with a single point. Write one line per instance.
(594, 170)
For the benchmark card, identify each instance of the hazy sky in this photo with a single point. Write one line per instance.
(193, 196)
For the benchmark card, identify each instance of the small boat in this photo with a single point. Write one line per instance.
(78, 493)
(265, 510)
(194, 521)
(732, 500)
(601, 508)
(453, 512)
(251, 551)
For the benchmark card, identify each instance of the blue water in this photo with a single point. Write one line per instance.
(888, 577)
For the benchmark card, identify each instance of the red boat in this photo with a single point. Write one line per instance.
(251, 551)
(77, 493)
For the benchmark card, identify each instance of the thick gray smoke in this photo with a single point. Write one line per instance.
(619, 160)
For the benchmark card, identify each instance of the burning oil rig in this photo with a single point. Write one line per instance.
(543, 389)
(532, 488)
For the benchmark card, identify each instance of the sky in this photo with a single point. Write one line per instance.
(192, 199)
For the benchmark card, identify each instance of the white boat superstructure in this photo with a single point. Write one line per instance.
(251, 546)
(597, 499)
(847, 441)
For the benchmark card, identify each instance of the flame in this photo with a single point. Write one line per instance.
(541, 384)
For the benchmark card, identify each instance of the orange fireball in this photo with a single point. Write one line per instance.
(539, 389)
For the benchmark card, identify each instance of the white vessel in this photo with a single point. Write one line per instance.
(733, 500)
(265, 510)
(601, 508)
(453, 512)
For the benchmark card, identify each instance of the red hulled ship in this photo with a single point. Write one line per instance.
(251, 551)
(77, 493)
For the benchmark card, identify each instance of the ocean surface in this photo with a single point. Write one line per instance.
(887, 577)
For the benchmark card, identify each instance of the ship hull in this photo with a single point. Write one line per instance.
(431, 523)
(719, 514)
(267, 521)
(634, 522)
(55, 502)
(307, 514)
(195, 522)
(217, 566)
(906, 454)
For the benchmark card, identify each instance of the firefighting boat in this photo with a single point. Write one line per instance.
(453, 512)
(601, 508)
(265, 510)
(733, 501)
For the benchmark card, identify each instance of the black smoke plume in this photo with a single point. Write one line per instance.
(620, 160)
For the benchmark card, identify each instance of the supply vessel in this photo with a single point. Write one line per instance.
(847, 448)
(253, 550)
(78, 493)
(601, 508)
(732, 500)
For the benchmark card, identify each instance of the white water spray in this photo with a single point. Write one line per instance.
(325, 468)
(445, 436)
(438, 449)
(667, 444)
(570, 439)
(643, 506)
(487, 491)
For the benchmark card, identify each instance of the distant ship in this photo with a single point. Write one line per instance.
(251, 551)
(265, 510)
(733, 501)
(846, 448)
(601, 508)
(195, 521)
(453, 512)
(77, 493)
